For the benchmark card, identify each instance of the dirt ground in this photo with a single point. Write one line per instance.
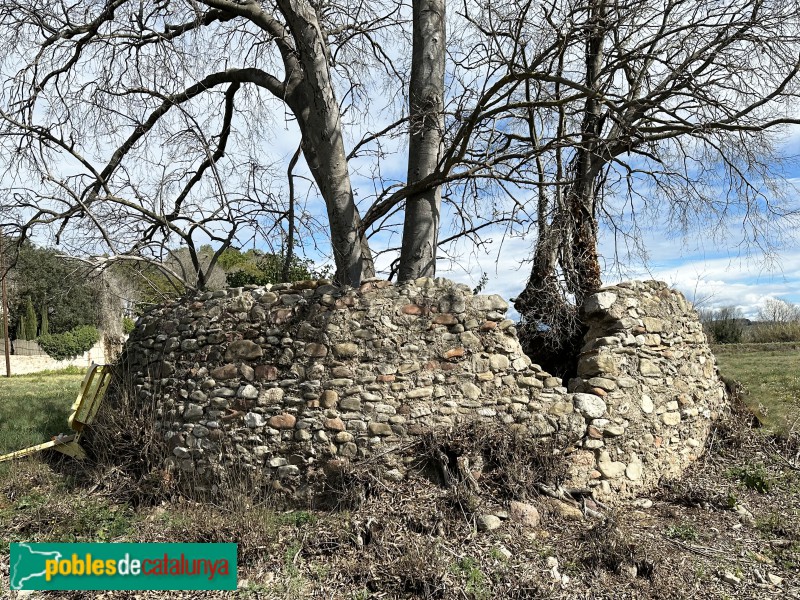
(729, 528)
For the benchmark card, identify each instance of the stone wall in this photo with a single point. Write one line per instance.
(648, 385)
(292, 381)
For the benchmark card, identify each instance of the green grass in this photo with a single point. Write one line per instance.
(33, 408)
(771, 379)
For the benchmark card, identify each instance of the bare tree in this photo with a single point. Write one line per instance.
(776, 310)
(426, 131)
(670, 109)
(103, 88)
(149, 123)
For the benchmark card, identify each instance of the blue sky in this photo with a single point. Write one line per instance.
(722, 269)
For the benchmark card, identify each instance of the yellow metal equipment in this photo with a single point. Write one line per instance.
(84, 409)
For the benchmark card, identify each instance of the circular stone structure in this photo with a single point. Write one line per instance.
(293, 381)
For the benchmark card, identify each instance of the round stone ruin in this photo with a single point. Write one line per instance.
(293, 381)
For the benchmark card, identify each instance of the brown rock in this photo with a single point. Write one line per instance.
(598, 392)
(594, 432)
(445, 319)
(344, 302)
(380, 429)
(335, 424)
(563, 509)
(526, 515)
(488, 325)
(243, 350)
(282, 315)
(266, 372)
(385, 378)
(329, 398)
(284, 421)
(413, 309)
(228, 371)
(454, 353)
(315, 350)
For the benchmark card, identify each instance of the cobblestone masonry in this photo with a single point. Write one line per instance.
(294, 380)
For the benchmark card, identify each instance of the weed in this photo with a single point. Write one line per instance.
(753, 477)
(496, 554)
(299, 518)
(476, 582)
(685, 532)
(776, 524)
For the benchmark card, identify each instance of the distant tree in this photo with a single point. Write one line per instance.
(724, 325)
(44, 327)
(778, 321)
(31, 323)
(67, 287)
(259, 268)
(776, 310)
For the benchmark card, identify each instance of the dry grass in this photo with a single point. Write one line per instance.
(735, 511)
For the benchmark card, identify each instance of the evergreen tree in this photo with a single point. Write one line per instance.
(31, 322)
(21, 328)
(44, 328)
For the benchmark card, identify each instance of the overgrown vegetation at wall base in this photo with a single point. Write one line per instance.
(73, 343)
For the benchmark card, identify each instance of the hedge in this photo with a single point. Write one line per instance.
(62, 346)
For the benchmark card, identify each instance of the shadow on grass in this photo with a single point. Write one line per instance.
(34, 408)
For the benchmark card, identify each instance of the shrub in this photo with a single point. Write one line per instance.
(128, 325)
(778, 321)
(62, 346)
(724, 325)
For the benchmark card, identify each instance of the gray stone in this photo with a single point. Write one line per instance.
(601, 382)
(671, 418)
(597, 364)
(248, 392)
(243, 350)
(253, 420)
(648, 368)
(192, 412)
(634, 471)
(470, 390)
(599, 302)
(489, 522)
(198, 396)
(345, 350)
(589, 405)
(530, 382)
(611, 469)
(498, 362)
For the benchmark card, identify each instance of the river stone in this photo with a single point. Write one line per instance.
(243, 350)
(253, 420)
(589, 405)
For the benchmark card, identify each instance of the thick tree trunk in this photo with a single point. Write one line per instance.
(426, 111)
(313, 102)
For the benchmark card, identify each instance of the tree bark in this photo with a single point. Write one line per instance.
(313, 101)
(426, 112)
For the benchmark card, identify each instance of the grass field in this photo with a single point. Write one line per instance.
(771, 378)
(33, 408)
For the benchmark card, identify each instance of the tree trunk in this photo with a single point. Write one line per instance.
(313, 102)
(426, 111)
